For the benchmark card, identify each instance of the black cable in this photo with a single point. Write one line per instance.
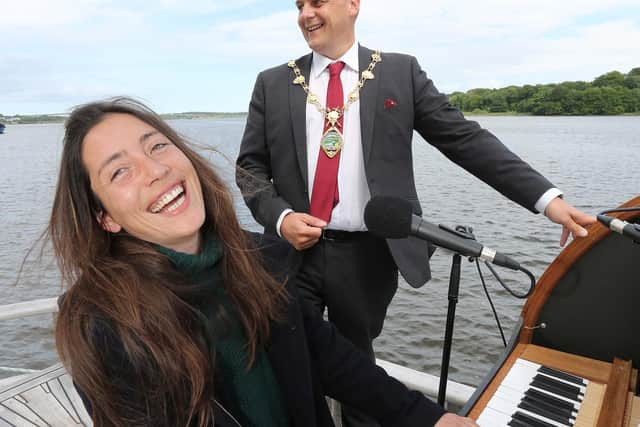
(532, 278)
(495, 313)
(467, 232)
(629, 229)
(632, 209)
(507, 288)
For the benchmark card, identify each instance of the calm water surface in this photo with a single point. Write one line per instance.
(594, 160)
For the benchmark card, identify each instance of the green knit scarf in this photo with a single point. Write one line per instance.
(252, 395)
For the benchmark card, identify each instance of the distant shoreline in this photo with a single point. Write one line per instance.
(60, 118)
(515, 113)
(611, 94)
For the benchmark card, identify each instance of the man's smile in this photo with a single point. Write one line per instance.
(312, 28)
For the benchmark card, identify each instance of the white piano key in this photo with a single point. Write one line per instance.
(504, 403)
(515, 398)
(507, 408)
(520, 384)
(526, 370)
(538, 366)
(576, 405)
(489, 417)
(519, 392)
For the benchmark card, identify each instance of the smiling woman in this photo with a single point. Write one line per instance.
(129, 199)
(145, 183)
(170, 317)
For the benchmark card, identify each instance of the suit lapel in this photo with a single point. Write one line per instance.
(298, 109)
(368, 101)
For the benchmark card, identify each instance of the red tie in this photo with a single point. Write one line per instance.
(324, 195)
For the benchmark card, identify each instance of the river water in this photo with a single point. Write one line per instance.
(594, 160)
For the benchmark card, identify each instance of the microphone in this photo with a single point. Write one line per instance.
(621, 227)
(393, 218)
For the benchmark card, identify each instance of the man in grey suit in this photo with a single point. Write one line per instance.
(295, 129)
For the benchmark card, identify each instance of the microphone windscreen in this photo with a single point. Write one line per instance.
(388, 217)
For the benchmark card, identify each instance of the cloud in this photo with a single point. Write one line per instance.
(58, 48)
(265, 37)
(497, 43)
(39, 14)
(40, 17)
(199, 6)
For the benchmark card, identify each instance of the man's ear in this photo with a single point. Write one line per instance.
(355, 6)
(107, 223)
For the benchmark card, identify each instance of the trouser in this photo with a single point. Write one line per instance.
(354, 277)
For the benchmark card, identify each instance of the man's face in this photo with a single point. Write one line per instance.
(328, 25)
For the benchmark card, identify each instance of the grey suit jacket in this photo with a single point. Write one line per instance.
(273, 155)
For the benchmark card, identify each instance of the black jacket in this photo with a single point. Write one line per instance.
(311, 359)
(274, 147)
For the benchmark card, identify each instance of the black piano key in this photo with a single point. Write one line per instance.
(544, 404)
(568, 388)
(552, 389)
(558, 383)
(544, 412)
(552, 400)
(517, 423)
(562, 375)
(526, 418)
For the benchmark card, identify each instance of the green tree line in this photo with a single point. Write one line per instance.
(609, 94)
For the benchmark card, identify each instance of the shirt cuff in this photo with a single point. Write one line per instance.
(546, 198)
(281, 217)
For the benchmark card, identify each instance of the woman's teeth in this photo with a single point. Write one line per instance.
(167, 198)
(177, 204)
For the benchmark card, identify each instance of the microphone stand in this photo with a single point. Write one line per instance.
(454, 288)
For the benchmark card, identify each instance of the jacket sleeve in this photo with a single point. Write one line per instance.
(473, 148)
(116, 367)
(253, 172)
(349, 376)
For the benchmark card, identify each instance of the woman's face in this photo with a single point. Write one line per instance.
(147, 186)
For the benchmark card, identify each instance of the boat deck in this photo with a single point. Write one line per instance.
(22, 402)
(48, 398)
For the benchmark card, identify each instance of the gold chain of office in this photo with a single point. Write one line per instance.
(332, 140)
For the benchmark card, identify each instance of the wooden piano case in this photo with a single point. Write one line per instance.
(588, 301)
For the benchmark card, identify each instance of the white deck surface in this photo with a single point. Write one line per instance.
(44, 399)
(48, 398)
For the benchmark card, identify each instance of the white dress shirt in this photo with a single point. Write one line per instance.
(353, 190)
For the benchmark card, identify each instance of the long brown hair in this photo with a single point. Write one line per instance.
(122, 287)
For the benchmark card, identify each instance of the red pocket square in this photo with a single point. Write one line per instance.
(388, 103)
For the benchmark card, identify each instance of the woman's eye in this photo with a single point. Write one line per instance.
(117, 173)
(158, 146)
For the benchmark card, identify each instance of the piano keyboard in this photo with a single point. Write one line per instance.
(539, 387)
(534, 395)
(585, 336)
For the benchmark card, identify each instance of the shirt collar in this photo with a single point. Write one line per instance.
(320, 62)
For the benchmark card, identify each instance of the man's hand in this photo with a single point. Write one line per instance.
(301, 230)
(569, 217)
(453, 420)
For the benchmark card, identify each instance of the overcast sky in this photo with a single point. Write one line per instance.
(197, 55)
